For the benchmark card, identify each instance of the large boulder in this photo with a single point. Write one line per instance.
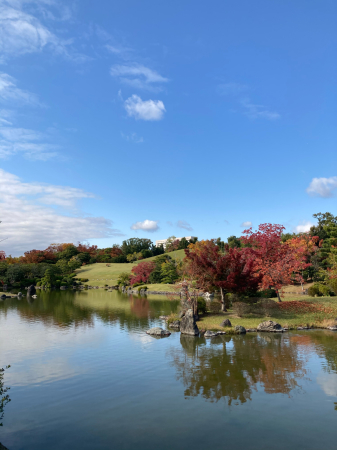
(270, 326)
(188, 325)
(31, 290)
(226, 323)
(239, 329)
(157, 331)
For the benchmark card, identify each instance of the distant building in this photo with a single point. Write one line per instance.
(163, 241)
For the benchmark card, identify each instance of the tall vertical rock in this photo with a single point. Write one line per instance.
(188, 325)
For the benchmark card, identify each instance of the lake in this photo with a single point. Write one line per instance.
(85, 375)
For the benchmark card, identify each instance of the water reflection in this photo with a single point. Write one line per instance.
(65, 309)
(232, 367)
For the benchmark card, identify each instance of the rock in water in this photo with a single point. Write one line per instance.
(333, 328)
(210, 333)
(269, 325)
(175, 324)
(188, 325)
(238, 329)
(31, 290)
(157, 331)
(226, 323)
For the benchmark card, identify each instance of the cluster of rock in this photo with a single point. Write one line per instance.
(157, 331)
(210, 334)
(270, 326)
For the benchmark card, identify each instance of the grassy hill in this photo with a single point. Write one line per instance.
(99, 274)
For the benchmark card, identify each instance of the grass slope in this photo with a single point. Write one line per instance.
(99, 274)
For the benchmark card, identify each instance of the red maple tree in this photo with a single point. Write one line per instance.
(142, 271)
(275, 262)
(230, 271)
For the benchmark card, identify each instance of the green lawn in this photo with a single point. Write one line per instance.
(99, 274)
(322, 313)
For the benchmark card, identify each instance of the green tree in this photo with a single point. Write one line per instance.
(74, 263)
(68, 253)
(136, 245)
(62, 264)
(169, 274)
(124, 279)
(326, 230)
(233, 242)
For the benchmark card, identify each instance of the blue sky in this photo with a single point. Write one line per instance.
(152, 119)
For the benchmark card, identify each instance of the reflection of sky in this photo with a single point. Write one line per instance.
(40, 353)
(328, 382)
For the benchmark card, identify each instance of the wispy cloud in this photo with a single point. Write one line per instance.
(133, 137)
(30, 220)
(22, 32)
(9, 92)
(254, 111)
(138, 76)
(144, 110)
(147, 225)
(246, 224)
(322, 187)
(238, 93)
(27, 142)
(184, 224)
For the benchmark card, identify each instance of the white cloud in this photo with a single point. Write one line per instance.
(133, 137)
(322, 187)
(10, 92)
(246, 224)
(30, 219)
(303, 227)
(184, 224)
(138, 76)
(144, 110)
(146, 225)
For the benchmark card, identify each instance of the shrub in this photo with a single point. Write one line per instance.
(142, 288)
(313, 290)
(241, 308)
(119, 259)
(137, 284)
(214, 307)
(201, 305)
(333, 285)
(324, 290)
(84, 280)
(266, 307)
(38, 283)
(64, 284)
(267, 293)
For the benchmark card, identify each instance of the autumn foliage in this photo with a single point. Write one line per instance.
(276, 263)
(231, 271)
(142, 271)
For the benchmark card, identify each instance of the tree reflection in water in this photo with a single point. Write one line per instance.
(232, 367)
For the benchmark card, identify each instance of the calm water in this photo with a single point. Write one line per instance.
(85, 375)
